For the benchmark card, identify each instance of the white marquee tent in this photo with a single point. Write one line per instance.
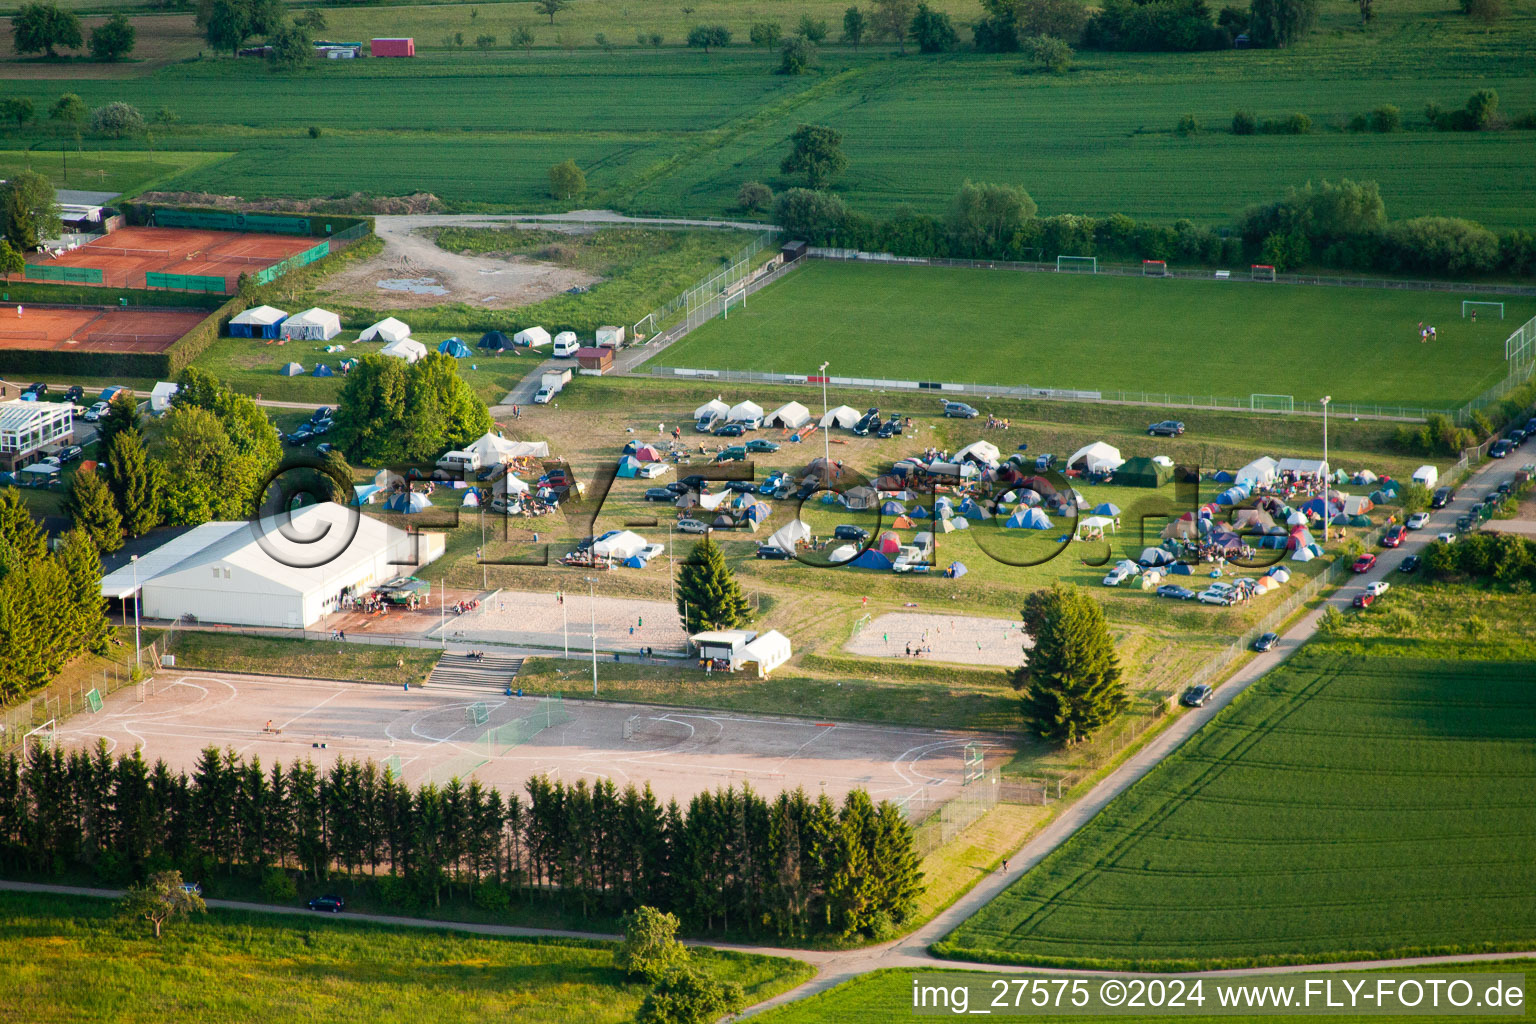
(745, 411)
(408, 349)
(790, 414)
(1097, 457)
(1260, 471)
(532, 337)
(766, 653)
(624, 544)
(314, 324)
(386, 330)
(713, 407)
(792, 533)
(845, 416)
(984, 452)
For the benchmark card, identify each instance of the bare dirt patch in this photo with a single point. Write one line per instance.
(412, 272)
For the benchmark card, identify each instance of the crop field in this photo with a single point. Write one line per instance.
(102, 170)
(1099, 332)
(882, 996)
(67, 958)
(668, 130)
(1346, 804)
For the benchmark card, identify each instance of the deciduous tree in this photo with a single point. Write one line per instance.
(649, 948)
(160, 898)
(566, 180)
(29, 210)
(893, 20)
(113, 39)
(854, 26)
(39, 28)
(551, 7)
(815, 151)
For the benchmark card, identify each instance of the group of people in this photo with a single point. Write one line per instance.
(1428, 333)
(998, 422)
(460, 607)
(339, 635)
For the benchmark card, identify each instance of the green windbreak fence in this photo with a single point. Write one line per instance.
(308, 256)
(214, 220)
(185, 282)
(67, 275)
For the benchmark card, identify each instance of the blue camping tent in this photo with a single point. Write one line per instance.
(454, 347)
(759, 512)
(407, 501)
(1027, 519)
(323, 371)
(1106, 509)
(893, 508)
(919, 513)
(494, 341)
(973, 510)
(634, 562)
(956, 570)
(1224, 477)
(471, 498)
(871, 559)
(629, 467)
(1181, 569)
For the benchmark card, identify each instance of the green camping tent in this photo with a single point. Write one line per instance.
(1142, 472)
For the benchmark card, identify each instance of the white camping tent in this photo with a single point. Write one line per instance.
(1097, 457)
(1260, 471)
(745, 411)
(844, 553)
(713, 407)
(408, 349)
(492, 449)
(314, 324)
(790, 414)
(624, 544)
(1301, 467)
(160, 397)
(796, 531)
(386, 330)
(984, 452)
(767, 652)
(532, 337)
(845, 416)
(259, 316)
(509, 483)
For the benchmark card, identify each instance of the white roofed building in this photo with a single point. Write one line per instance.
(28, 427)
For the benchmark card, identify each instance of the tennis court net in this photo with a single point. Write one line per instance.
(114, 251)
(250, 261)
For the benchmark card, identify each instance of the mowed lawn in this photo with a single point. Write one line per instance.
(1105, 333)
(1349, 806)
(65, 959)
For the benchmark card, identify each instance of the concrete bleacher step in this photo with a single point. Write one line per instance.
(494, 672)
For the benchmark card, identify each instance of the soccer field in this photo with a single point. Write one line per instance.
(1103, 333)
(1350, 806)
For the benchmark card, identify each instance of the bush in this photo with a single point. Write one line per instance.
(1441, 245)
(1244, 123)
(810, 28)
(117, 120)
(754, 196)
(277, 886)
(764, 33)
(1358, 123)
(315, 131)
(685, 996)
(705, 36)
(1049, 53)
(1188, 125)
(649, 948)
(1386, 118)
(1295, 124)
(492, 897)
(933, 31)
(1331, 621)
(816, 217)
(796, 56)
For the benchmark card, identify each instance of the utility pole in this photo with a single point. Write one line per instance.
(1327, 479)
(592, 595)
(826, 436)
(135, 560)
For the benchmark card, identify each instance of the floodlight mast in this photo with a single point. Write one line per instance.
(826, 437)
(1326, 477)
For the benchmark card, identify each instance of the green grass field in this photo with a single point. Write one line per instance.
(883, 996)
(1368, 799)
(671, 130)
(103, 170)
(69, 959)
(304, 659)
(1109, 333)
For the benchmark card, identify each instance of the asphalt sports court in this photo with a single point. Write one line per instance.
(127, 254)
(432, 737)
(94, 328)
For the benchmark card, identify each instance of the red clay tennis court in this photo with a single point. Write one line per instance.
(94, 328)
(128, 254)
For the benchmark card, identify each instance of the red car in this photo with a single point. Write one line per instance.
(1395, 536)
(1365, 563)
(1365, 600)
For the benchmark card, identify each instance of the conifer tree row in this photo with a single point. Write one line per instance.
(732, 861)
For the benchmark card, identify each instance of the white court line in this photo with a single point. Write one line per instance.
(820, 732)
(312, 710)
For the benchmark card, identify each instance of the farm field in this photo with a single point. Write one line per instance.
(1099, 332)
(103, 170)
(671, 131)
(68, 958)
(1343, 802)
(882, 996)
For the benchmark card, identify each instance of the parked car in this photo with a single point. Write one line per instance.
(330, 904)
(1517, 435)
(1418, 520)
(192, 888)
(1446, 538)
(707, 422)
(1504, 488)
(324, 448)
(1394, 536)
(1196, 696)
(69, 453)
(1463, 524)
(868, 423)
(1167, 428)
(1176, 592)
(1443, 497)
(691, 526)
(1216, 593)
(730, 430)
(1378, 588)
(775, 554)
(735, 453)
(1365, 563)
(694, 482)
(677, 487)
(301, 434)
(1364, 599)
(96, 412)
(960, 411)
(1118, 575)
(742, 486)
(1501, 448)
(757, 444)
(74, 393)
(1410, 564)
(1266, 642)
(39, 389)
(325, 412)
(659, 494)
(854, 533)
(1530, 426)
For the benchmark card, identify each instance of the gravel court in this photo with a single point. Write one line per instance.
(959, 639)
(679, 752)
(539, 620)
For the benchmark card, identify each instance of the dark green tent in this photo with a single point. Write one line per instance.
(1143, 472)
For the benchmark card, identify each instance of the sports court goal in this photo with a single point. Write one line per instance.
(1273, 403)
(1471, 308)
(1078, 264)
(41, 737)
(1262, 272)
(1154, 268)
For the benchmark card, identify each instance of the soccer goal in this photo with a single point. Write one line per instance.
(1262, 272)
(476, 714)
(1272, 403)
(975, 762)
(1472, 308)
(1078, 264)
(1154, 268)
(93, 700)
(42, 736)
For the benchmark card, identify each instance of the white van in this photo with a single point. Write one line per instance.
(1426, 475)
(462, 463)
(566, 345)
